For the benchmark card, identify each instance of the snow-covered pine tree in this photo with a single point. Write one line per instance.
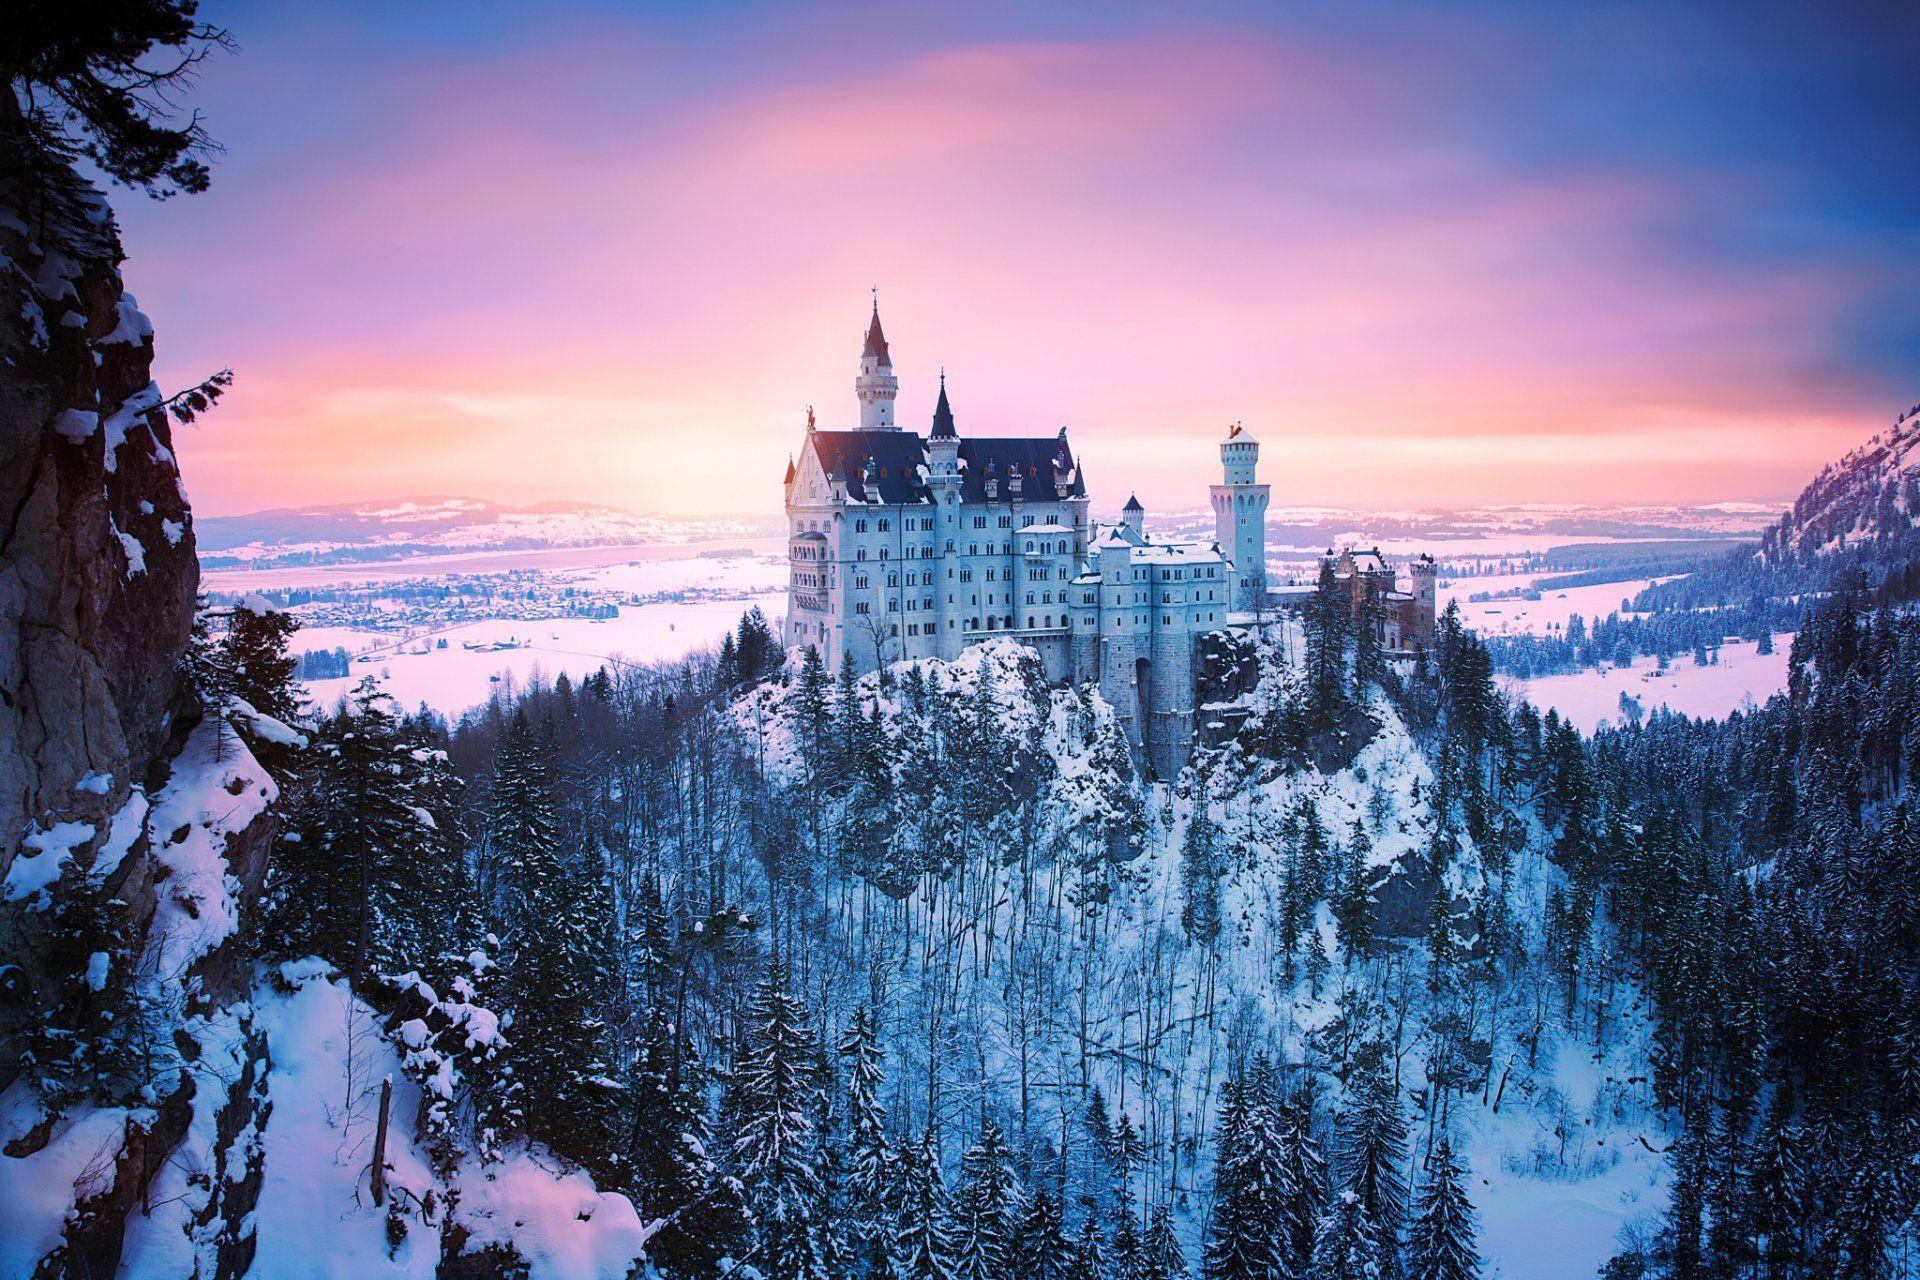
(1090, 1260)
(1347, 1246)
(1373, 1154)
(1326, 622)
(1161, 1257)
(1041, 1249)
(1440, 1243)
(987, 1208)
(775, 1147)
(1200, 875)
(1244, 1229)
(869, 1158)
(923, 1242)
(1304, 1179)
(522, 830)
(260, 671)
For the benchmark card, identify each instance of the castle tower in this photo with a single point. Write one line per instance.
(876, 386)
(1134, 516)
(1423, 572)
(1240, 517)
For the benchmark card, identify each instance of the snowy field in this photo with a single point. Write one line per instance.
(1743, 677)
(452, 679)
(1536, 617)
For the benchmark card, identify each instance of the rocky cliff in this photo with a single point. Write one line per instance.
(97, 568)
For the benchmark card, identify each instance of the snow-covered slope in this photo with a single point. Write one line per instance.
(1870, 495)
(1057, 953)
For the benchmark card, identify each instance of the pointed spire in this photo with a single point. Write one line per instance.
(876, 339)
(943, 414)
(1133, 504)
(789, 479)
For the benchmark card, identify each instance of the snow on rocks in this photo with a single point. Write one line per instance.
(216, 790)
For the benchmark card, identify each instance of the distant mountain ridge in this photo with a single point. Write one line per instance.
(441, 524)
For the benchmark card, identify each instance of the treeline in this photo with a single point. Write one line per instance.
(1765, 870)
(1666, 636)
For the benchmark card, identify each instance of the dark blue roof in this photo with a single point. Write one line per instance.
(897, 458)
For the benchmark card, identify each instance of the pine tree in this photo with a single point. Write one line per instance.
(1041, 1250)
(1090, 1252)
(1161, 1256)
(1244, 1233)
(1304, 1181)
(984, 1245)
(260, 671)
(1200, 876)
(522, 826)
(1440, 1245)
(775, 1146)
(1353, 896)
(870, 1158)
(1348, 1246)
(923, 1246)
(1373, 1155)
(560, 981)
(1326, 621)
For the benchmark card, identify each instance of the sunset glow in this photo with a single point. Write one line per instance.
(1435, 257)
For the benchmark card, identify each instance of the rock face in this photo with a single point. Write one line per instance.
(97, 566)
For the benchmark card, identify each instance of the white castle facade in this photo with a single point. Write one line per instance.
(903, 546)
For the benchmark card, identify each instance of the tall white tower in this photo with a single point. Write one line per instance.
(876, 386)
(1240, 517)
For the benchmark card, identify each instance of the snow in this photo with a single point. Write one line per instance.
(75, 425)
(329, 1058)
(135, 552)
(51, 852)
(37, 1193)
(97, 784)
(173, 531)
(131, 326)
(1743, 677)
(99, 965)
(215, 790)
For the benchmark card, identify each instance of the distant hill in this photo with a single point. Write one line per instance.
(1870, 496)
(439, 525)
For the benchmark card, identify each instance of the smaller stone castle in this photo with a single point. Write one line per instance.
(904, 546)
(1405, 616)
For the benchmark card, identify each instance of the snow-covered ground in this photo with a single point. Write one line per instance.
(452, 679)
(1742, 677)
(1536, 617)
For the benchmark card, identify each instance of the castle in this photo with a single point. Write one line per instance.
(908, 547)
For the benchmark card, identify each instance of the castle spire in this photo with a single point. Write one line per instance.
(876, 385)
(943, 415)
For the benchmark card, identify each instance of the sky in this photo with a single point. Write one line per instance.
(1431, 255)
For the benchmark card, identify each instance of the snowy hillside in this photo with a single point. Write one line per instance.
(1153, 991)
(1872, 494)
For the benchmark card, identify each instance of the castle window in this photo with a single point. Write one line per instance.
(861, 554)
(862, 607)
(860, 581)
(885, 524)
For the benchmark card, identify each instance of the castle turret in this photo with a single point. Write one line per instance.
(1240, 516)
(876, 386)
(1134, 516)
